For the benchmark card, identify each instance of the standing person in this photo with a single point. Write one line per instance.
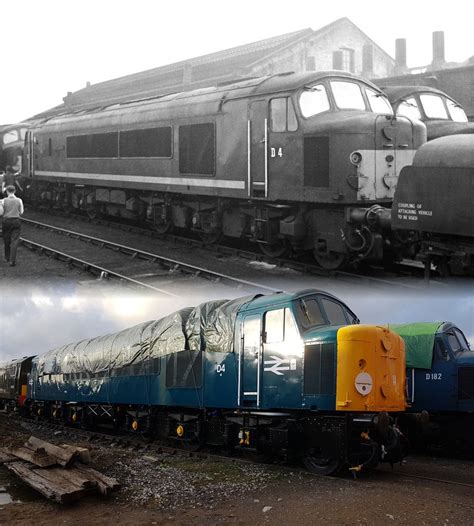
(10, 179)
(12, 210)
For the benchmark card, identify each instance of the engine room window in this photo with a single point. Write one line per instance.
(347, 95)
(409, 108)
(334, 312)
(378, 102)
(314, 100)
(282, 115)
(94, 146)
(433, 106)
(456, 112)
(152, 142)
(184, 370)
(197, 149)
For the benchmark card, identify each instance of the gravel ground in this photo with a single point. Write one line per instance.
(171, 489)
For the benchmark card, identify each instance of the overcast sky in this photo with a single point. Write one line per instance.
(37, 320)
(50, 47)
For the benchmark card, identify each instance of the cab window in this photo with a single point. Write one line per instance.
(378, 102)
(334, 312)
(456, 112)
(282, 115)
(347, 95)
(409, 108)
(314, 100)
(309, 312)
(10, 137)
(433, 106)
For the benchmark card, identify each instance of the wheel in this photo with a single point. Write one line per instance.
(330, 261)
(164, 227)
(321, 463)
(92, 212)
(274, 250)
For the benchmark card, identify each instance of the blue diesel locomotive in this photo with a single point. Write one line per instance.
(308, 161)
(440, 383)
(290, 374)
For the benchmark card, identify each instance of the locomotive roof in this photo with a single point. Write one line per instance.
(284, 297)
(220, 93)
(395, 93)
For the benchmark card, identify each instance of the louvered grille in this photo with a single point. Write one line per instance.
(316, 161)
(319, 369)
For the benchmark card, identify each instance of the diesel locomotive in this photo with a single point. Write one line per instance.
(433, 204)
(291, 374)
(308, 161)
(440, 386)
(441, 114)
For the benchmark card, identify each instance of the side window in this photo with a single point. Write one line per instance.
(440, 350)
(334, 312)
(274, 326)
(50, 147)
(280, 326)
(282, 115)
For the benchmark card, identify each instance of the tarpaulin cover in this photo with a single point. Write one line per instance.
(132, 346)
(209, 326)
(419, 342)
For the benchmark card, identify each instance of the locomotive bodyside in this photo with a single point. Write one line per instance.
(282, 160)
(260, 374)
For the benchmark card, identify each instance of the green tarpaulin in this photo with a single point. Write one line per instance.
(419, 342)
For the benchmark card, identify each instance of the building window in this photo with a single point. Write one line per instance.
(348, 60)
(197, 149)
(151, 142)
(282, 115)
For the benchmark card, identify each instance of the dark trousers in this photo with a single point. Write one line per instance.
(11, 237)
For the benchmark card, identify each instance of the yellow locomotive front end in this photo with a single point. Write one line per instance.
(371, 369)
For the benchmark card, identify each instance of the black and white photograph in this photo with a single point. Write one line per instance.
(237, 263)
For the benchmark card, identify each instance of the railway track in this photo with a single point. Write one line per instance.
(147, 267)
(378, 277)
(138, 443)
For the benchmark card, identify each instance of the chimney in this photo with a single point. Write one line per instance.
(438, 48)
(400, 56)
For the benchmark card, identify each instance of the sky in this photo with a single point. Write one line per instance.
(50, 47)
(41, 319)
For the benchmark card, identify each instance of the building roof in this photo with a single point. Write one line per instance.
(221, 66)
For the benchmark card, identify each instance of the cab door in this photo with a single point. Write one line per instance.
(258, 149)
